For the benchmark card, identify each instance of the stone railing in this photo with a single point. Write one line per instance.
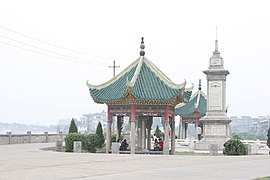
(10, 138)
(256, 147)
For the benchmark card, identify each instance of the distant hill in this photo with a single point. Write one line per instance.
(16, 128)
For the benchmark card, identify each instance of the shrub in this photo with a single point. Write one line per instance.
(92, 143)
(70, 138)
(113, 138)
(268, 138)
(234, 147)
(89, 142)
(73, 127)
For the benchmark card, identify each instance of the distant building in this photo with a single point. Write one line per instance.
(252, 125)
(241, 124)
(157, 122)
(90, 121)
(260, 125)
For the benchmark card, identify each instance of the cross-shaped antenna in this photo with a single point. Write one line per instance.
(114, 66)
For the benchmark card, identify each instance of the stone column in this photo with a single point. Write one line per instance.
(61, 135)
(133, 129)
(59, 146)
(77, 146)
(180, 132)
(139, 134)
(166, 139)
(9, 137)
(185, 129)
(113, 126)
(173, 136)
(108, 130)
(29, 135)
(46, 136)
(149, 124)
(143, 134)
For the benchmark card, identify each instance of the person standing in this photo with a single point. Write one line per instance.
(199, 132)
(124, 145)
(160, 142)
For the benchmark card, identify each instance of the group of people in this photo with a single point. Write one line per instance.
(158, 144)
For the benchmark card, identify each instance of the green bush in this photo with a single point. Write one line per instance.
(70, 138)
(268, 138)
(89, 142)
(92, 143)
(234, 147)
(113, 138)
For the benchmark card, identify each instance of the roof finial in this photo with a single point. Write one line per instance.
(200, 88)
(142, 46)
(216, 42)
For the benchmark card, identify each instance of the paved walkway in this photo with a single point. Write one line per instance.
(26, 161)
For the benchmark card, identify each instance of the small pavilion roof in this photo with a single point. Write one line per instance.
(196, 104)
(141, 80)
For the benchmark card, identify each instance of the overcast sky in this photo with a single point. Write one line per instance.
(41, 82)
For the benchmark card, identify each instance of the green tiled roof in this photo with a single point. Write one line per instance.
(143, 81)
(197, 103)
(187, 94)
(114, 89)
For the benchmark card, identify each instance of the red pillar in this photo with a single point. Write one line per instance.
(133, 112)
(108, 113)
(108, 130)
(173, 134)
(167, 113)
(197, 119)
(133, 130)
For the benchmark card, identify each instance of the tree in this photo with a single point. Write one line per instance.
(120, 121)
(73, 127)
(157, 132)
(268, 138)
(99, 133)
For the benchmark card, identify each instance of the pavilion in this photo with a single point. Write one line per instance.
(191, 111)
(141, 91)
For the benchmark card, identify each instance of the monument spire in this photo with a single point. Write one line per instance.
(215, 122)
(216, 61)
(216, 42)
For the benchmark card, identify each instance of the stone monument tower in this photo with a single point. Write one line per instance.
(215, 122)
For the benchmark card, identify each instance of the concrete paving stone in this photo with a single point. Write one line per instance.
(26, 161)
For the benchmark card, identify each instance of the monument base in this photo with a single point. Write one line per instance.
(215, 132)
(205, 144)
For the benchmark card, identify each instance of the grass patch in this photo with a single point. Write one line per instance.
(263, 178)
(101, 150)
